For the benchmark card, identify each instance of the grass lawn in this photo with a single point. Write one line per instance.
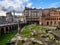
(4, 39)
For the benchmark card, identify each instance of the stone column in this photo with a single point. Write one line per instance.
(18, 28)
(4, 29)
(0, 31)
(49, 23)
(11, 27)
(53, 23)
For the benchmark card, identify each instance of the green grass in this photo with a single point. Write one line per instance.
(4, 39)
(29, 28)
(39, 35)
(26, 30)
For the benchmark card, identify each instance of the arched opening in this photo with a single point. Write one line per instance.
(47, 23)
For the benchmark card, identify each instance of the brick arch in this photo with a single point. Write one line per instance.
(47, 23)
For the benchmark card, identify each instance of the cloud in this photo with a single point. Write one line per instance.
(54, 4)
(17, 5)
(2, 13)
(29, 4)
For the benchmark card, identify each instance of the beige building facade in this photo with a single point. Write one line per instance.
(32, 15)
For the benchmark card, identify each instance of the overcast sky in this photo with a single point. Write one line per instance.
(18, 5)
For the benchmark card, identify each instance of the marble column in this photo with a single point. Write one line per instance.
(4, 29)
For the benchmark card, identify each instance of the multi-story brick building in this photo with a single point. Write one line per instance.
(50, 17)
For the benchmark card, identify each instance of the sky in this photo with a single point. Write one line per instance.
(18, 5)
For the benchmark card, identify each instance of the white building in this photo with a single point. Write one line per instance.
(32, 15)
